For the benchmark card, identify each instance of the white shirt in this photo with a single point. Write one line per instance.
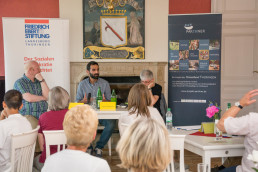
(14, 124)
(126, 119)
(74, 160)
(247, 126)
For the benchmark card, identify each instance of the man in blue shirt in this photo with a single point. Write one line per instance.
(91, 85)
(34, 90)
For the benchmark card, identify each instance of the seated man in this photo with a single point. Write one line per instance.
(80, 125)
(91, 85)
(154, 88)
(11, 122)
(245, 125)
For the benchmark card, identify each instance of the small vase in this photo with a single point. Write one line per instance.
(216, 120)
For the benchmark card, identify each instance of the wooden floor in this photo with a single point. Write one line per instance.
(191, 159)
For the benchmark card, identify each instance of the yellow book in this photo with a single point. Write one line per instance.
(107, 106)
(71, 105)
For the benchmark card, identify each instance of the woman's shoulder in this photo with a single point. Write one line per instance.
(50, 113)
(153, 109)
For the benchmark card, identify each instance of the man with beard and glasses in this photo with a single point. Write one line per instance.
(91, 85)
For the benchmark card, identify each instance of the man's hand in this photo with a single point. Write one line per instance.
(104, 98)
(152, 84)
(39, 77)
(84, 100)
(3, 115)
(246, 99)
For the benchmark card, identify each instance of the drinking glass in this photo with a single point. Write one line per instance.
(201, 167)
(93, 103)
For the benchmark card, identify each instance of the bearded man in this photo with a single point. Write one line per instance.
(90, 85)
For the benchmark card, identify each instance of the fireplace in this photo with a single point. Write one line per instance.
(121, 75)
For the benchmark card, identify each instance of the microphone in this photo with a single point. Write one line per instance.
(88, 98)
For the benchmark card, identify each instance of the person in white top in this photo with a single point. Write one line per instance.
(245, 125)
(139, 106)
(80, 126)
(11, 122)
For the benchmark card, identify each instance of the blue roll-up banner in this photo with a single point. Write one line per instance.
(194, 65)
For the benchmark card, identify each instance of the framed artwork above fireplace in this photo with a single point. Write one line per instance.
(113, 29)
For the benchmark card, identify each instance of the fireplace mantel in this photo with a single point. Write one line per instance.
(78, 71)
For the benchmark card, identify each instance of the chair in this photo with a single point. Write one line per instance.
(163, 107)
(54, 137)
(100, 127)
(177, 143)
(23, 147)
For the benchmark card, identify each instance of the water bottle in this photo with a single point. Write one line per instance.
(98, 98)
(169, 118)
(113, 96)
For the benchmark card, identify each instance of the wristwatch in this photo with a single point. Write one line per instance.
(238, 105)
(43, 80)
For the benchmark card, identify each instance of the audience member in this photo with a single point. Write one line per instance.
(245, 125)
(34, 90)
(51, 120)
(154, 88)
(139, 106)
(11, 122)
(80, 125)
(144, 147)
(91, 85)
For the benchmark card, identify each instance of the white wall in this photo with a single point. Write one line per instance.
(156, 30)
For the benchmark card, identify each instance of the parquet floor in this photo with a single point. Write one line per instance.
(190, 158)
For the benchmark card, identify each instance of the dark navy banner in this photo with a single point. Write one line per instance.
(194, 65)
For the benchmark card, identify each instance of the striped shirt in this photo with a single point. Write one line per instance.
(25, 85)
(86, 87)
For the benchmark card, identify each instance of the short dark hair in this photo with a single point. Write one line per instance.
(13, 99)
(90, 64)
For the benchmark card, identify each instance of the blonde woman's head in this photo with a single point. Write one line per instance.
(80, 125)
(145, 146)
(139, 99)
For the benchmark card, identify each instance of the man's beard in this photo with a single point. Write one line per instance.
(95, 76)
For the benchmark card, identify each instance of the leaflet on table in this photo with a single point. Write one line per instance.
(188, 128)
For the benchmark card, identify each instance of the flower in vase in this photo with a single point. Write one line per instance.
(213, 111)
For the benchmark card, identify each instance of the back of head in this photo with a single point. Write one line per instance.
(146, 75)
(139, 99)
(91, 63)
(13, 99)
(58, 99)
(145, 146)
(80, 125)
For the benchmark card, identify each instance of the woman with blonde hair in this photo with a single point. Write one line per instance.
(145, 147)
(58, 102)
(80, 126)
(139, 106)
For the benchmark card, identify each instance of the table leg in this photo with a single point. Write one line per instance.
(207, 160)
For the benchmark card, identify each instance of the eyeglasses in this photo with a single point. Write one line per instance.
(146, 82)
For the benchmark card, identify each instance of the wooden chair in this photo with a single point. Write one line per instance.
(23, 147)
(177, 143)
(54, 137)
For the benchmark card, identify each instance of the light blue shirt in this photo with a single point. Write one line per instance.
(86, 87)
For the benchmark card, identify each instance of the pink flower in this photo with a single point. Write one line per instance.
(210, 111)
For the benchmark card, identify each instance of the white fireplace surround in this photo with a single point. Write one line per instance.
(78, 72)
